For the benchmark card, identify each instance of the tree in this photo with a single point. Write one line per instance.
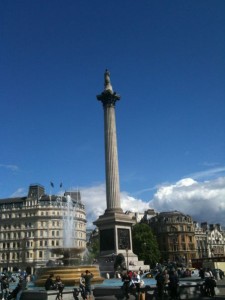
(145, 245)
(93, 249)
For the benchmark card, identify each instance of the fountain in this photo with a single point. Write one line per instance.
(69, 255)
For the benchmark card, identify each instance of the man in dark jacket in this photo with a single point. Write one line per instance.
(173, 285)
(49, 283)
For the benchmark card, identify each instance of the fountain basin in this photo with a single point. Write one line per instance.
(70, 275)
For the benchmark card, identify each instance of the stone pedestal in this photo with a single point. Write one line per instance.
(115, 234)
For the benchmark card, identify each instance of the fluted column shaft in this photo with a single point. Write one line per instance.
(108, 99)
(111, 159)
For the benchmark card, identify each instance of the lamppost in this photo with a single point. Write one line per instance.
(127, 256)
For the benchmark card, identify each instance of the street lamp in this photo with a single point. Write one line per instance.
(127, 256)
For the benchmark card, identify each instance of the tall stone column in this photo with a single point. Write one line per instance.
(114, 225)
(108, 99)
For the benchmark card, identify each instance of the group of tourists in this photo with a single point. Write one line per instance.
(20, 287)
(131, 283)
(84, 286)
(56, 284)
(210, 282)
(167, 283)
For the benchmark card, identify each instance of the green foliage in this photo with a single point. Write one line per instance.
(95, 247)
(93, 251)
(145, 245)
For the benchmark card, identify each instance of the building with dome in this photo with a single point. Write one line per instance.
(175, 233)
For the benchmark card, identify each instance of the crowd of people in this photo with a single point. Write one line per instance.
(131, 283)
(22, 279)
(210, 281)
(5, 280)
(56, 284)
(167, 283)
(84, 286)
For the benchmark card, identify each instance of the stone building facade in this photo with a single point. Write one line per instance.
(34, 225)
(175, 233)
(210, 239)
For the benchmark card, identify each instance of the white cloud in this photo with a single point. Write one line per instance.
(203, 201)
(9, 167)
(209, 173)
(20, 192)
(94, 199)
(132, 204)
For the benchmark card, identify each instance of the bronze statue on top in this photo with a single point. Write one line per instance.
(107, 84)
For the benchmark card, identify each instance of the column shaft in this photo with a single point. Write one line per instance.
(111, 160)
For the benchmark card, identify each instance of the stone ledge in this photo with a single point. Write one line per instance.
(45, 295)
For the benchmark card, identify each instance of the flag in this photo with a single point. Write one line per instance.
(52, 184)
(60, 184)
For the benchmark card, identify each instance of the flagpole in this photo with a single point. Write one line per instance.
(51, 186)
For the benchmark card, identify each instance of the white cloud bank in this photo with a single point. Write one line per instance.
(94, 199)
(203, 201)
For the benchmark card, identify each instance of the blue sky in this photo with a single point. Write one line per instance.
(166, 60)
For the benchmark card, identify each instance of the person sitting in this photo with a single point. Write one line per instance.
(136, 282)
(82, 286)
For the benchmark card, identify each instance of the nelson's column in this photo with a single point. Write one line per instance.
(114, 225)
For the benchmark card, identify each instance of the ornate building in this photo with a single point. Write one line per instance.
(32, 226)
(210, 240)
(175, 233)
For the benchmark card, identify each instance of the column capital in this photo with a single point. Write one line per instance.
(108, 98)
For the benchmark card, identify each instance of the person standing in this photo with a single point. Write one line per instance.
(59, 286)
(167, 279)
(87, 279)
(173, 285)
(22, 285)
(49, 283)
(126, 279)
(160, 283)
(4, 287)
